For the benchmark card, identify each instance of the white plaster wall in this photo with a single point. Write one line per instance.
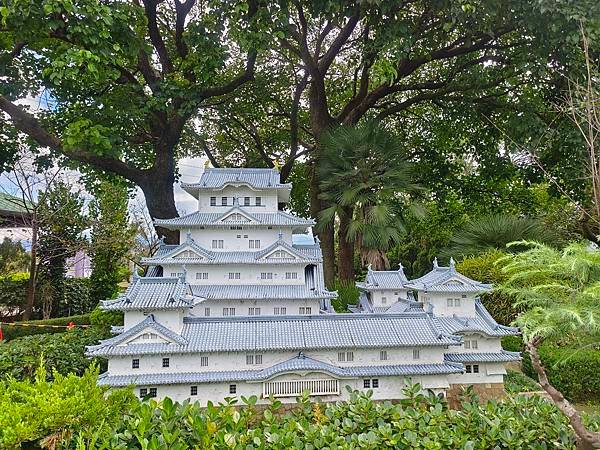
(485, 344)
(172, 319)
(249, 273)
(488, 373)
(389, 388)
(266, 306)
(269, 199)
(439, 303)
(392, 296)
(231, 242)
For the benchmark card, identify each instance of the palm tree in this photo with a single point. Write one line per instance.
(495, 231)
(365, 177)
(560, 293)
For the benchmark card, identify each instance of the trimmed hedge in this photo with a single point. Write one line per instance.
(13, 332)
(575, 372)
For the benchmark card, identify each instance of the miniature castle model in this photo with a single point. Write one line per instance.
(239, 307)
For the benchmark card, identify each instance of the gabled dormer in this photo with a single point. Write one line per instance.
(281, 250)
(237, 216)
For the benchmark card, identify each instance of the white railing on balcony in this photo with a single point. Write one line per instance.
(294, 388)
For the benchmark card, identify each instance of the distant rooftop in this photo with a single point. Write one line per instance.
(446, 279)
(213, 178)
(13, 210)
(384, 279)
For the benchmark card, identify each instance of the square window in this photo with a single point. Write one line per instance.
(475, 368)
(416, 353)
(246, 201)
(457, 302)
(135, 363)
(349, 356)
(342, 356)
(474, 344)
(249, 360)
(258, 201)
(258, 359)
(204, 361)
(467, 344)
(232, 388)
(213, 201)
(383, 356)
(468, 368)
(153, 392)
(375, 383)
(193, 390)
(143, 392)
(223, 201)
(367, 384)
(450, 302)
(165, 362)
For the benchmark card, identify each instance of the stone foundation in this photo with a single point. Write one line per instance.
(484, 391)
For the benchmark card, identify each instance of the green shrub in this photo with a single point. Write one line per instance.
(63, 352)
(417, 422)
(574, 372)
(519, 382)
(38, 409)
(13, 332)
(347, 295)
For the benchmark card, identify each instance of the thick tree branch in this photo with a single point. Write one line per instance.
(338, 42)
(29, 125)
(155, 36)
(244, 77)
(287, 167)
(182, 9)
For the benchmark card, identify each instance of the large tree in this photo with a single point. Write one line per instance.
(123, 80)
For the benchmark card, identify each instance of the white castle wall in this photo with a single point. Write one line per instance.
(268, 199)
(249, 274)
(231, 242)
(382, 298)
(267, 307)
(439, 301)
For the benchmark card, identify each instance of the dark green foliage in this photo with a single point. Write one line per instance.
(417, 422)
(38, 409)
(13, 332)
(347, 295)
(516, 382)
(112, 237)
(13, 257)
(75, 300)
(573, 371)
(61, 353)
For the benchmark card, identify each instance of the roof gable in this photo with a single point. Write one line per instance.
(446, 279)
(237, 215)
(280, 250)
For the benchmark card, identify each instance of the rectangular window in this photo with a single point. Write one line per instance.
(474, 344)
(253, 311)
(143, 392)
(467, 344)
(258, 201)
(135, 363)
(234, 275)
(207, 312)
(457, 302)
(217, 243)
(383, 356)
(165, 362)
(249, 360)
(416, 353)
(201, 275)
(305, 310)
(375, 383)
(173, 274)
(291, 275)
(367, 384)
(193, 390)
(213, 201)
(468, 368)
(223, 201)
(349, 356)
(384, 300)
(266, 276)
(449, 302)
(239, 236)
(232, 388)
(204, 361)
(279, 310)
(341, 356)
(229, 311)
(258, 359)
(246, 201)
(475, 368)
(153, 392)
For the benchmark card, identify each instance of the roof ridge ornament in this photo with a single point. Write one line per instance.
(435, 262)
(452, 265)
(188, 237)
(161, 240)
(184, 274)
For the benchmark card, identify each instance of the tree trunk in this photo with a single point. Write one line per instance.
(346, 249)
(326, 234)
(30, 301)
(586, 440)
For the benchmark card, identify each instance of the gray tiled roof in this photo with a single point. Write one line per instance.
(300, 363)
(197, 219)
(503, 356)
(295, 333)
(482, 323)
(166, 255)
(123, 337)
(273, 292)
(152, 293)
(384, 279)
(446, 279)
(214, 178)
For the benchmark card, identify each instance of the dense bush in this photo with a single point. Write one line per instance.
(13, 332)
(33, 410)
(417, 422)
(347, 295)
(574, 372)
(13, 293)
(519, 382)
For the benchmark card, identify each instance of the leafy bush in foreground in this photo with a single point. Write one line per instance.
(417, 422)
(39, 409)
